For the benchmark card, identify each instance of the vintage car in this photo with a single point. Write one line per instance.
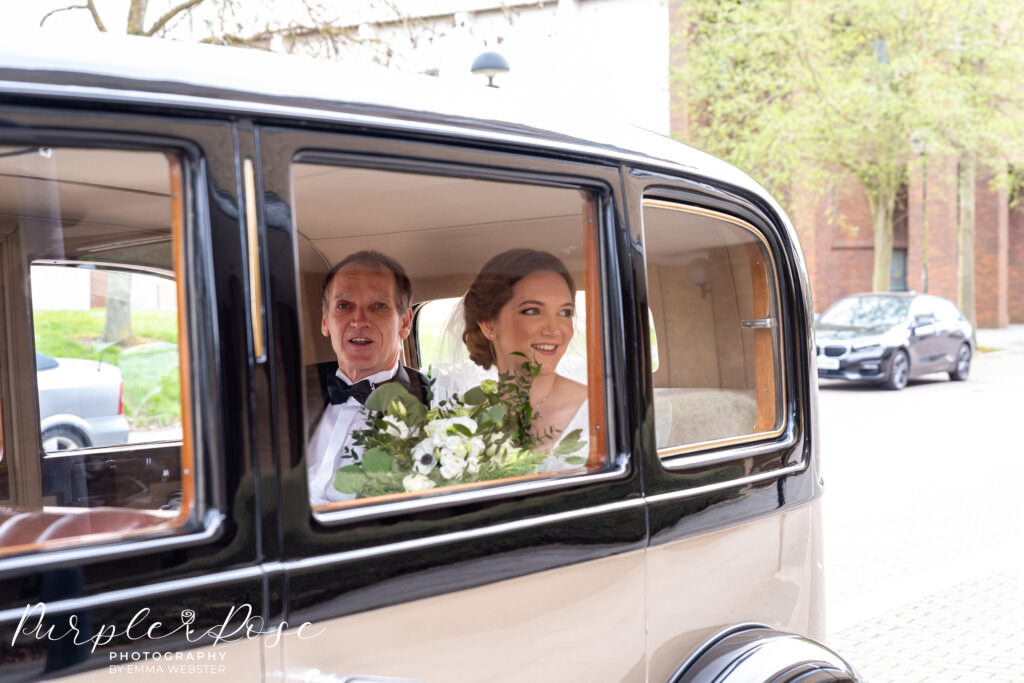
(684, 545)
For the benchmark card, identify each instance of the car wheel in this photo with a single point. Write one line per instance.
(899, 371)
(62, 439)
(963, 364)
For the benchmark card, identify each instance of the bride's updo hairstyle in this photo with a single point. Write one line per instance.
(492, 289)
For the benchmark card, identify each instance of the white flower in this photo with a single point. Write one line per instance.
(396, 427)
(436, 428)
(476, 446)
(451, 464)
(423, 458)
(417, 482)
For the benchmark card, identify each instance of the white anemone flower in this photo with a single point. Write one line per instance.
(417, 482)
(423, 458)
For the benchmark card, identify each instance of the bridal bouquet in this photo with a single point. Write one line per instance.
(483, 434)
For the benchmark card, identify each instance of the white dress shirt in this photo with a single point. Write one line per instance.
(333, 434)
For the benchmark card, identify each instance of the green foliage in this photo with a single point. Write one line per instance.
(149, 369)
(808, 93)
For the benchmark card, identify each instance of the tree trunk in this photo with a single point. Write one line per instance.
(118, 327)
(881, 214)
(965, 235)
(137, 18)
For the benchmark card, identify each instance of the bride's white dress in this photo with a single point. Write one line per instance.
(581, 421)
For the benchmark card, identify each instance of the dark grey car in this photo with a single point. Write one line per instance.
(892, 337)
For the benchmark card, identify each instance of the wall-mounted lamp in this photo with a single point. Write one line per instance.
(700, 272)
(490, 64)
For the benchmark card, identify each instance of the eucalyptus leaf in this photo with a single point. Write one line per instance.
(462, 429)
(474, 396)
(496, 413)
(377, 460)
(569, 444)
(349, 479)
(383, 396)
(575, 460)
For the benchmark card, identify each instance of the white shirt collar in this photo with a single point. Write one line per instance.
(375, 379)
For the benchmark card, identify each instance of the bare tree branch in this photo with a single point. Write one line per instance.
(171, 13)
(89, 6)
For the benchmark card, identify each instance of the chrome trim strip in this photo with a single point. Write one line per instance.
(253, 241)
(120, 449)
(712, 641)
(732, 483)
(313, 114)
(457, 536)
(154, 590)
(371, 511)
(49, 559)
(683, 461)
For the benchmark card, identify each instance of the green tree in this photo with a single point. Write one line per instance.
(813, 91)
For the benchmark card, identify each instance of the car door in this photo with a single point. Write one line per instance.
(538, 577)
(927, 340)
(121, 250)
(727, 420)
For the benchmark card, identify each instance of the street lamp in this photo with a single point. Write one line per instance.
(490, 64)
(919, 145)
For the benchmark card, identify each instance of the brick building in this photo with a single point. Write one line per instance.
(837, 234)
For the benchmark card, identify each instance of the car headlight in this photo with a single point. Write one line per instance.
(866, 346)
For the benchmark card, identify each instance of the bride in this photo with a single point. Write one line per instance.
(523, 301)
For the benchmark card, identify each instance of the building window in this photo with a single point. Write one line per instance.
(898, 271)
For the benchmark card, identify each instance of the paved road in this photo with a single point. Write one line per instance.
(924, 521)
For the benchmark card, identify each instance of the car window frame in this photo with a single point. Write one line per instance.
(688, 456)
(205, 519)
(615, 469)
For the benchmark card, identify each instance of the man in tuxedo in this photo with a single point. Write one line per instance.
(367, 313)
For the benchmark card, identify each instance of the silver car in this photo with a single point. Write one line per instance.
(81, 403)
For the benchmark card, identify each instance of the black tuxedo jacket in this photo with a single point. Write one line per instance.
(317, 377)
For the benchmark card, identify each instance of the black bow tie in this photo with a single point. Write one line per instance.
(339, 392)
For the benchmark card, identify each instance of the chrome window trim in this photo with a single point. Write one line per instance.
(732, 483)
(684, 461)
(48, 558)
(458, 536)
(151, 591)
(119, 449)
(442, 499)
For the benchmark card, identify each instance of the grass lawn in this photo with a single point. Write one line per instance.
(149, 366)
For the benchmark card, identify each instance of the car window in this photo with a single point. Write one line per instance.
(866, 311)
(925, 306)
(503, 384)
(714, 306)
(90, 244)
